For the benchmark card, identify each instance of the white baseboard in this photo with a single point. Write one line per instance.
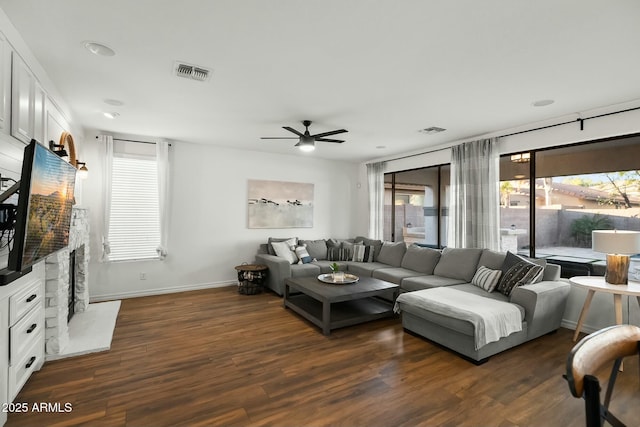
(570, 324)
(160, 291)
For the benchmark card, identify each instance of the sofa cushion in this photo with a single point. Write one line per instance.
(492, 259)
(286, 250)
(362, 253)
(394, 275)
(317, 248)
(305, 270)
(522, 273)
(458, 263)
(552, 272)
(422, 260)
(278, 239)
(392, 253)
(303, 254)
(486, 278)
(325, 268)
(417, 283)
(365, 269)
(377, 245)
(468, 287)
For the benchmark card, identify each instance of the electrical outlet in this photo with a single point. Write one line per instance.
(143, 276)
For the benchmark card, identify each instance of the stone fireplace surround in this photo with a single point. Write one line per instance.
(57, 283)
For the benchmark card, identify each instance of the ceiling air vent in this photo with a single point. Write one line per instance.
(192, 72)
(432, 130)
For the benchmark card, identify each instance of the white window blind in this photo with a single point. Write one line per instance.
(134, 230)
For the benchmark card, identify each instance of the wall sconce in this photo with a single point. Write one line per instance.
(521, 157)
(83, 172)
(618, 245)
(59, 150)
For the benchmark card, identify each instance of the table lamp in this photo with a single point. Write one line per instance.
(618, 245)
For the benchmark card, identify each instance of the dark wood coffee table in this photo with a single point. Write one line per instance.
(336, 306)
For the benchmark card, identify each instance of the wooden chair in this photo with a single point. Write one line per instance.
(591, 354)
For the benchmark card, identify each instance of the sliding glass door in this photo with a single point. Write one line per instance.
(412, 206)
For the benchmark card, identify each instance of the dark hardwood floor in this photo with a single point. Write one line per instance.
(217, 358)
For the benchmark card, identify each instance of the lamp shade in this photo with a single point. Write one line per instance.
(616, 241)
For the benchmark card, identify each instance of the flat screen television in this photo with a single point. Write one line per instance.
(45, 203)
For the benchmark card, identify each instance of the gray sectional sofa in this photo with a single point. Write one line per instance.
(422, 272)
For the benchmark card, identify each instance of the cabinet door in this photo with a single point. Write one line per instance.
(22, 100)
(5, 83)
(38, 113)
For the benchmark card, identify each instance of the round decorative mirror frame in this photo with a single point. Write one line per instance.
(67, 140)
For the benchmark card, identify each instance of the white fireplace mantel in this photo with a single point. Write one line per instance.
(57, 283)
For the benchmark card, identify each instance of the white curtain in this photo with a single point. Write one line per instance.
(162, 159)
(375, 179)
(107, 163)
(474, 207)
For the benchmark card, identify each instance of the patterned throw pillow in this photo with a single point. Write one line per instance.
(340, 252)
(362, 253)
(522, 273)
(486, 278)
(286, 250)
(303, 255)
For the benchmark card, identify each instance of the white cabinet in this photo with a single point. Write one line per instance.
(21, 334)
(5, 84)
(4, 356)
(23, 85)
(54, 122)
(39, 99)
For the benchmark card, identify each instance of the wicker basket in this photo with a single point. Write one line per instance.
(250, 278)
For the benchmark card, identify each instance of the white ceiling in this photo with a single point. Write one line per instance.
(381, 69)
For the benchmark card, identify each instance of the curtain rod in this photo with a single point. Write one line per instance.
(580, 120)
(133, 140)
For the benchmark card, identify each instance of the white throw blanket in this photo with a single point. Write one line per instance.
(492, 319)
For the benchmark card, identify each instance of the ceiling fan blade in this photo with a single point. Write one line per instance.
(290, 129)
(339, 141)
(333, 132)
(279, 137)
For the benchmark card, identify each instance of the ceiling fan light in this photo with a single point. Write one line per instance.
(306, 147)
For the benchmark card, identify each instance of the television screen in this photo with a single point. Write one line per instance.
(45, 202)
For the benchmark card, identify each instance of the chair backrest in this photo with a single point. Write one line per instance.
(591, 354)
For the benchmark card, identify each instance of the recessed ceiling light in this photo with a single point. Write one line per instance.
(431, 130)
(543, 102)
(519, 176)
(98, 48)
(381, 147)
(111, 115)
(114, 102)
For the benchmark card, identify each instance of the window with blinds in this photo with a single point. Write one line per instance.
(134, 229)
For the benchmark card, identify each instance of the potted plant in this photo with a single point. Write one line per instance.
(338, 276)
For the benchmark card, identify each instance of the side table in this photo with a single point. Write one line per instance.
(595, 284)
(250, 278)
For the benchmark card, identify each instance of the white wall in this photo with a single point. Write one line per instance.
(208, 232)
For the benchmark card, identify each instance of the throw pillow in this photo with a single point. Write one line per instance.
(486, 278)
(278, 239)
(303, 255)
(377, 245)
(523, 273)
(512, 259)
(362, 253)
(333, 250)
(346, 250)
(286, 250)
